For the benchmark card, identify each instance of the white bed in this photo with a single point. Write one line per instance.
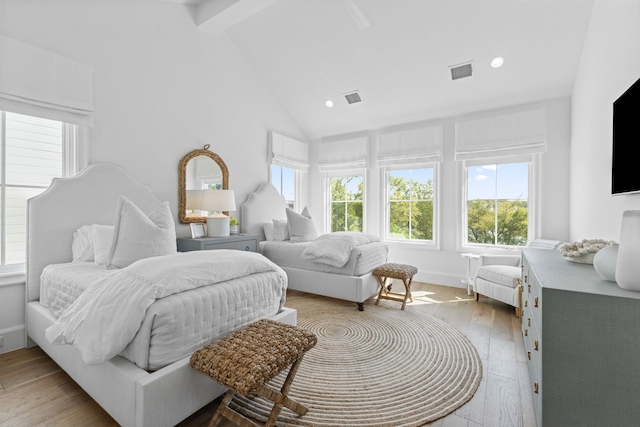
(353, 283)
(131, 395)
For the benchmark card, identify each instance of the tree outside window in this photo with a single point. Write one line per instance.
(410, 204)
(346, 200)
(497, 204)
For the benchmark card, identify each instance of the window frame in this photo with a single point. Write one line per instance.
(326, 195)
(533, 213)
(296, 184)
(71, 162)
(385, 214)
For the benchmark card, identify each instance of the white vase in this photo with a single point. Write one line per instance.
(628, 264)
(605, 262)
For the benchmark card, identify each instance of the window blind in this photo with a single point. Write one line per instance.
(288, 152)
(410, 146)
(343, 154)
(40, 83)
(504, 135)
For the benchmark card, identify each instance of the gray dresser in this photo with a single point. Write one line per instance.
(582, 339)
(241, 243)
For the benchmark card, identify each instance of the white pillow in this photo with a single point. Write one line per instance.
(102, 239)
(137, 236)
(82, 246)
(267, 227)
(280, 230)
(301, 227)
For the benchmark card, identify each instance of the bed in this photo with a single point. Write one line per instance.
(135, 389)
(352, 282)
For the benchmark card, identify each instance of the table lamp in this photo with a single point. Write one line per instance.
(216, 202)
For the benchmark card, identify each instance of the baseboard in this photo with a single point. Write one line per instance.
(439, 279)
(13, 339)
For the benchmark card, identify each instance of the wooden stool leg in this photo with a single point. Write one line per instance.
(281, 399)
(217, 416)
(407, 294)
(382, 281)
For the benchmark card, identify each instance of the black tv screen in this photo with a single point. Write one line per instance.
(625, 174)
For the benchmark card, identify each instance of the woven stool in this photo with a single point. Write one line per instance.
(248, 359)
(403, 272)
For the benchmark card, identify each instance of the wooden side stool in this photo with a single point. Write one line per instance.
(248, 359)
(403, 272)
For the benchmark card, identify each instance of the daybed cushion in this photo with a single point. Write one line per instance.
(137, 236)
(301, 227)
(502, 274)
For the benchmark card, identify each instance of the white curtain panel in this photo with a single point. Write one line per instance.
(343, 154)
(288, 152)
(36, 82)
(410, 146)
(504, 135)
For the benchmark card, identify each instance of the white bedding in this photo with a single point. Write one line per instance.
(187, 312)
(362, 259)
(335, 248)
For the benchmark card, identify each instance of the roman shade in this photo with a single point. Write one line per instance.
(343, 154)
(410, 146)
(504, 135)
(288, 152)
(36, 82)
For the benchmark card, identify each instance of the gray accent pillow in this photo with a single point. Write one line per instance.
(301, 227)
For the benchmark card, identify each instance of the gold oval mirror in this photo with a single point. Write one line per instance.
(198, 170)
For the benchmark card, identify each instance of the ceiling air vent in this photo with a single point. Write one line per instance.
(353, 97)
(461, 71)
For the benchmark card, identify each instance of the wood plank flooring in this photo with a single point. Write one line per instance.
(35, 392)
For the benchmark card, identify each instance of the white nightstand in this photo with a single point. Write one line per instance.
(469, 256)
(241, 243)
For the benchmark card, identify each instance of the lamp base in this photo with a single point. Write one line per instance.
(218, 225)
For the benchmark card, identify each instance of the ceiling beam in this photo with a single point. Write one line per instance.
(216, 16)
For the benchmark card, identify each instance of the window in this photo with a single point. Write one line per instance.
(410, 204)
(346, 200)
(34, 151)
(284, 179)
(497, 202)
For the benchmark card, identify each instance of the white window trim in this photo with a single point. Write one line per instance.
(533, 203)
(384, 197)
(326, 200)
(297, 182)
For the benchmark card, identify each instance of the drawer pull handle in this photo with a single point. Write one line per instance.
(247, 248)
(529, 355)
(526, 278)
(526, 332)
(528, 321)
(535, 302)
(526, 303)
(535, 345)
(529, 288)
(535, 387)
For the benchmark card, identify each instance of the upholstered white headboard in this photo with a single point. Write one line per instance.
(90, 197)
(263, 205)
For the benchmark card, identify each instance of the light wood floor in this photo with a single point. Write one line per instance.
(35, 392)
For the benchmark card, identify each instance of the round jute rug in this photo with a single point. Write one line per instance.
(379, 367)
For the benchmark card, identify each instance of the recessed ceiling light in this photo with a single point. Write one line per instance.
(497, 62)
(328, 103)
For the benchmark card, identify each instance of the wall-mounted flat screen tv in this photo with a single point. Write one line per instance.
(625, 167)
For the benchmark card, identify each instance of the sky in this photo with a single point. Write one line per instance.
(506, 181)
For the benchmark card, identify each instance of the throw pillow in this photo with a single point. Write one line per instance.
(267, 227)
(82, 246)
(102, 239)
(301, 227)
(137, 236)
(280, 230)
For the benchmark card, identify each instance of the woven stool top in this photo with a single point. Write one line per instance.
(253, 355)
(396, 271)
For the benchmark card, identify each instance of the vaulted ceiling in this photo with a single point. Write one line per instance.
(398, 54)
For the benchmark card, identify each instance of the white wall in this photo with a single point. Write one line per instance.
(445, 266)
(161, 89)
(610, 63)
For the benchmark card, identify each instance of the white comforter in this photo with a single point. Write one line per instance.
(335, 248)
(106, 317)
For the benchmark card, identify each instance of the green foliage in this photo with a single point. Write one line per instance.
(502, 222)
(346, 205)
(410, 209)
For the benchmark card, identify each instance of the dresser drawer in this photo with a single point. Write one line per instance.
(242, 245)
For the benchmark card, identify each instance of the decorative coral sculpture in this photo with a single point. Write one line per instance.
(583, 251)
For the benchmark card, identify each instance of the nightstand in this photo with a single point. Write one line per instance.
(241, 243)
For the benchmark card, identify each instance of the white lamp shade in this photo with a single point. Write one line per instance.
(218, 200)
(194, 199)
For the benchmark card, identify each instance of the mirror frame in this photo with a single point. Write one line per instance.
(182, 182)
